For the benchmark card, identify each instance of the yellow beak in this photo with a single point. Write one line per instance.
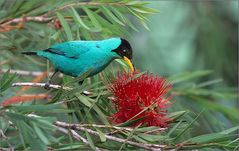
(129, 63)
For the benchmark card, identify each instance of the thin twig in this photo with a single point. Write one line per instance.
(6, 149)
(156, 130)
(25, 73)
(154, 147)
(25, 19)
(40, 85)
(85, 3)
(110, 126)
(103, 126)
(76, 136)
(54, 86)
(99, 126)
(4, 62)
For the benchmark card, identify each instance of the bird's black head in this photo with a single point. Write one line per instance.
(124, 49)
(125, 52)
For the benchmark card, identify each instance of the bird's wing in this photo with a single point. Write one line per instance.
(69, 49)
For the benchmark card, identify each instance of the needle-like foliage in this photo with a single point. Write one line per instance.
(77, 117)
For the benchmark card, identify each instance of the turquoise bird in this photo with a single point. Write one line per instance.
(75, 58)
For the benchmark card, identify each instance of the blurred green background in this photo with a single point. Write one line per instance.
(188, 36)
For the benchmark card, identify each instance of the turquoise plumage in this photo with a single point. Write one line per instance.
(77, 57)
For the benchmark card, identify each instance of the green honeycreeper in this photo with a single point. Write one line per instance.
(75, 58)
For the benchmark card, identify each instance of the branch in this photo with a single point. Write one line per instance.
(51, 86)
(6, 25)
(101, 126)
(6, 149)
(25, 19)
(65, 127)
(153, 147)
(76, 136)
(85, 3)
(40, 85)
(17, 23)
(110, 126)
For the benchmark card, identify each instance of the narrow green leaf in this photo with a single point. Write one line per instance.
(39, 133)
(93, 19)
(139, 139)
(174, 128)
(86, 34)
(78, 19)
(176, 115)
(81, 78)
(50, 108)
(6, 80)
(138, 15)
(56, 35)
(92, 145)
(47, 124)
(65, 26)
(4, 124)
(84, 100)
(150, 10)
(118, 13)
(189, 125)
(57, 96)
(152, 138)
(210, 138)
(103, 117)
(108, 12)
(185, 76)
(29, 136)
(145, 10)
(231, 113)
(145, 129)
(145, 25)
(137, 3)
(230, 130)
(101, 135)
(123, 63)
(130, 122)
(131, 25)
(68, 147)
(35, 108)
(208, 83)
(5, 76)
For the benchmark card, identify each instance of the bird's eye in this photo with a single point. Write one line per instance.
(124, 50)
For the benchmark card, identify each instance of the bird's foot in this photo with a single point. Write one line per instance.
(80, 82)
(47, 86)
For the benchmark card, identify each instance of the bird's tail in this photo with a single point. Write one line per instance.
(29, 53)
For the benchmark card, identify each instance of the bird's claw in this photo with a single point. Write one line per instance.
(47, 86)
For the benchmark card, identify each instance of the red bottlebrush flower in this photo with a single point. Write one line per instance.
(141, 96)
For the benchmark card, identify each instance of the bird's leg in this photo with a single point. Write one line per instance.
(47, 85)
(81, 82)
